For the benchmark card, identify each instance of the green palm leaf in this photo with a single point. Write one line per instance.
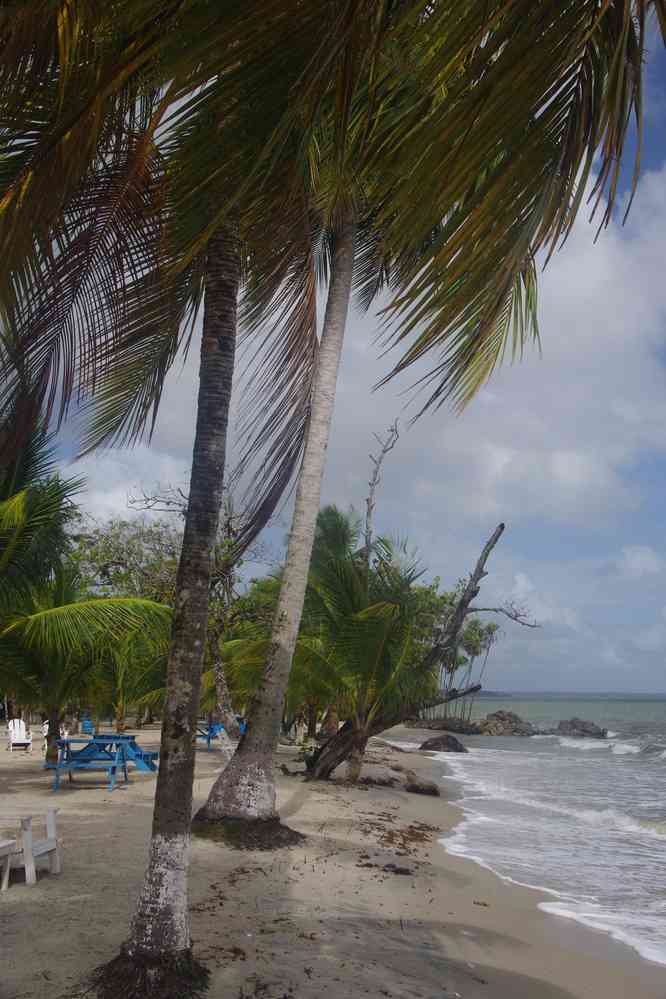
(62, 629)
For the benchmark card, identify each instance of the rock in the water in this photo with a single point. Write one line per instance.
(446, 725)
(498, 723)
(505, 723)
(579, 729)
(424, 787)
(443, 744)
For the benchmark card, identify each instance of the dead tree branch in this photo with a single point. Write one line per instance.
(518, 614)
(377, 460)
(445, 649)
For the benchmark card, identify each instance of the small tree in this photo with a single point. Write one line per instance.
(51, 643)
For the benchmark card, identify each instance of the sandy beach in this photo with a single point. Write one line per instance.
(370, 904)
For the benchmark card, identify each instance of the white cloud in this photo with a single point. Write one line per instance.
(111, 478)
(636, 561)
(652, 639)
(544, 607)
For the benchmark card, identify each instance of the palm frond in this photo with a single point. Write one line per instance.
(32, 535)
(510, 104)
(61, 629)
(97, 279)
(278, 320)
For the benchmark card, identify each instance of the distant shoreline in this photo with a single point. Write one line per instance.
(571, 695)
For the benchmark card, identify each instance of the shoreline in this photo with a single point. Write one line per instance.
(553, 902)
(568, 928)
(371, 904)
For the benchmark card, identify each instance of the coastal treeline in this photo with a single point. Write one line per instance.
(369, 652)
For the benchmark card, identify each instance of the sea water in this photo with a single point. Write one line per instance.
(583, 819)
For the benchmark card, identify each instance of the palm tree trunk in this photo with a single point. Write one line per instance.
(120, 717)
(246, 788)
(224, 711)
(158, 949)
(331, 722)
(53, 736)
(356, 756)
(340, 747)
(312, 721)
(223, 703)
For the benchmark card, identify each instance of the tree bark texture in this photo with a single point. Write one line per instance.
(223, 708)
(246, 788)
(356, 757)
(53, 736)
(331, 722)
(161, 925)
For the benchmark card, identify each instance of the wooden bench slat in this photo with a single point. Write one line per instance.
(42, 846)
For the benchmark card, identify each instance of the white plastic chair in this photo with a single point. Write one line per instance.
(17, 736)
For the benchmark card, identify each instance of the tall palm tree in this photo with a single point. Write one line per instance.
(505, 178)
(137, 184)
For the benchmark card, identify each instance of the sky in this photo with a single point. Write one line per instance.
(568, 448)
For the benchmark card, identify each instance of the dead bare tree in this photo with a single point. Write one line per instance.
(386, 445)
(520, 615)
(445, 648)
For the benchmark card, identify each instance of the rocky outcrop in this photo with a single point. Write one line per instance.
(423, 787)
(505, 723)
(576, 728)
(456, 725)
(443, 744)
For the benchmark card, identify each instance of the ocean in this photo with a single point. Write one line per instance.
(582, 819)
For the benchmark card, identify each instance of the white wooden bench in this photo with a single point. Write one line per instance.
(7, 848)
(23, 854)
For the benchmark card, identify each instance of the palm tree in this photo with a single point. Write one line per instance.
(51, 640)
(35, 507)
(131, 673)
(466, 282)
(359, 643)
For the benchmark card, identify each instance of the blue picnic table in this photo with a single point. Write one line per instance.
(106, 751)
(208, 732)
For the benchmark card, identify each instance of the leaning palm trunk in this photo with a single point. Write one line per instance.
(246, 788)
(344, 745)
(357, 755)
(156, 961)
